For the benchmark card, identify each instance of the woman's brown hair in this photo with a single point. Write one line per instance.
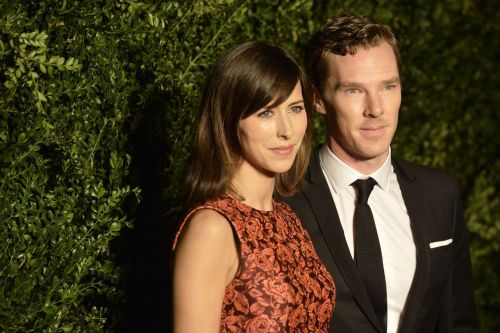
(245, 79)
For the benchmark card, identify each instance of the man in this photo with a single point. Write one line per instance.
(408, 270)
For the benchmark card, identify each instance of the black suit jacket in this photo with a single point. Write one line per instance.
(440, 298)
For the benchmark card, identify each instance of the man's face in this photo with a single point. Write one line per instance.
(361, 99)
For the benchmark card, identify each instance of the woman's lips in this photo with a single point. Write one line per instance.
(283, 150)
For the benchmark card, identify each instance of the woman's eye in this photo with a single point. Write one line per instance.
(297, 108)
(265, 114)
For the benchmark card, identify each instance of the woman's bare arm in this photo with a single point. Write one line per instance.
(205, 261)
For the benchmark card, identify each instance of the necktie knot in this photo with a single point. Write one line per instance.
(363, 189)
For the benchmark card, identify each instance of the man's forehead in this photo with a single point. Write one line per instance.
(379, 61)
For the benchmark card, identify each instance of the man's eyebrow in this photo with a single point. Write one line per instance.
(392, 80)
(345, 84)
(354, 84)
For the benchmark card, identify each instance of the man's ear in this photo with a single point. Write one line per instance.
(319, 104)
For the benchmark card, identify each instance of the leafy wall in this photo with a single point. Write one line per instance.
(97, 115)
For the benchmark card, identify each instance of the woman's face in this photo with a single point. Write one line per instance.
(271, 137)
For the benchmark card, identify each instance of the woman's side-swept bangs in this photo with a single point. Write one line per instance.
(270, 74)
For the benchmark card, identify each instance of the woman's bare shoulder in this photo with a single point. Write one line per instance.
(207, 227)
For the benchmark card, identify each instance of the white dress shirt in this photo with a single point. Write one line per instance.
(391, 220)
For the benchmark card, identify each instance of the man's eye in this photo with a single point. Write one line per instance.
(352, 90)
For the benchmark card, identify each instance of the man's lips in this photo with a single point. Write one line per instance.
(373, 131)
(372, 128)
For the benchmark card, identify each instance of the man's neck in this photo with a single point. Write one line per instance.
(366, 166)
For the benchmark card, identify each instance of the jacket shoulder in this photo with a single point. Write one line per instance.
(413, 170)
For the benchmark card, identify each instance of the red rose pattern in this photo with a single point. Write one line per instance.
(281, 284)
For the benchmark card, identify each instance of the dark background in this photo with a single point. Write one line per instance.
(98, 105)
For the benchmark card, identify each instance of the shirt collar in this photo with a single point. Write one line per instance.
(340, 175)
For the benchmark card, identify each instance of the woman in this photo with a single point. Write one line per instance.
(242, 261)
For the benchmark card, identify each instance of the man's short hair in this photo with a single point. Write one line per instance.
(345, 33)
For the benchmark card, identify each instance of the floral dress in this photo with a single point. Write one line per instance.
(281, 285)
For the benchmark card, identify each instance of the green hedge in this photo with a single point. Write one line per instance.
(97, 116)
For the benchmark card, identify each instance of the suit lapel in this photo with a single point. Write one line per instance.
(412, 196)
(319, 197)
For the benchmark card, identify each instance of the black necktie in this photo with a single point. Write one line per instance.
(367, 253)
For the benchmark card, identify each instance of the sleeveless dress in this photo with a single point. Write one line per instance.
(281, 285)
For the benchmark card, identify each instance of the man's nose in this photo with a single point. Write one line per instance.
(374, 107)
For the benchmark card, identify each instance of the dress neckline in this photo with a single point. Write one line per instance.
(247, 207)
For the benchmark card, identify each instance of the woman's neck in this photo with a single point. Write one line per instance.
(256, 187)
